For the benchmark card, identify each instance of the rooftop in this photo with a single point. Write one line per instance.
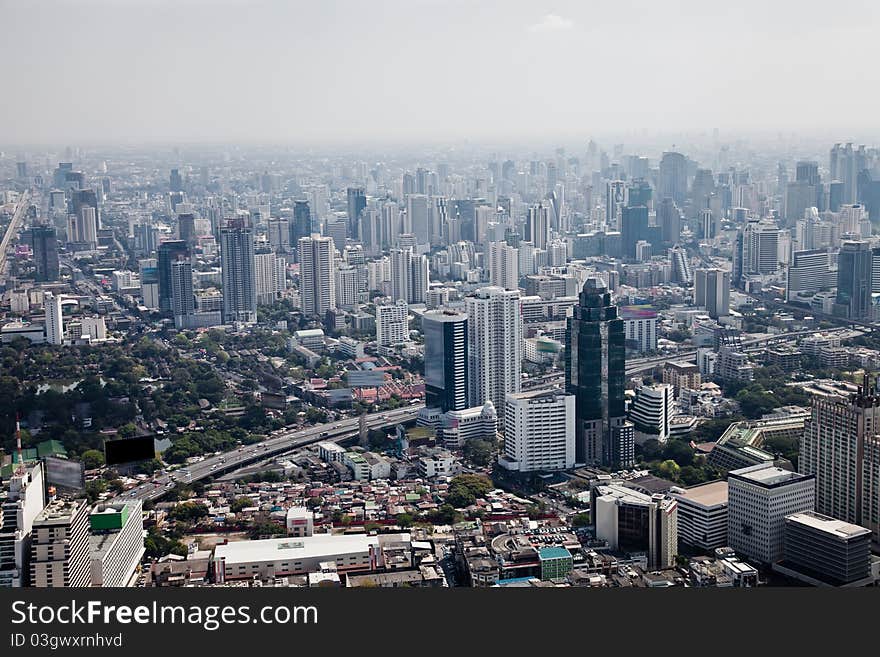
(828, 525)
(306, 547)
(767, 475)
(713, 493)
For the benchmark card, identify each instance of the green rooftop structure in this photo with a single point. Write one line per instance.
(556, 562)
(109, 517)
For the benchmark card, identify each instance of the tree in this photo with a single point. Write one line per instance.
(240, 504)
(91, 459)
(478, 451)
(679, 451)
(669, 469)
(581, 520)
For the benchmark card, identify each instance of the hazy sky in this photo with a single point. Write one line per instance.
(429, 70)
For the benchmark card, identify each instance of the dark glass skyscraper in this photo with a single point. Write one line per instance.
(44, 244)
(595, 373)
(300, 225)
(854, 265)
(446, 375)
(634, 227)
(357, 201)
(169, 252)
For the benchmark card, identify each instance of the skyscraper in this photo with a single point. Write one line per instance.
(44, 245)
(182, 299)
(669, 221)
(503, 265)
(239, 281)
(854, 264)
(357, 201)
(392, 323)
(168, 253)
(840, 446)
(417, 213)
(446, 375)
(54, 318)
(316, 274)
(712, 291)
(60, 550)
(537, 228)
(673, 177)
(268, 277)
(409, 276)
(595, 373)
(634, 228)
(494, 336)
(300, 225)
(538, 431)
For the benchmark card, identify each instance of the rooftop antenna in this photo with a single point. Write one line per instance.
(20, 468)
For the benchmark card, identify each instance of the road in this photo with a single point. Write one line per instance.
(12, 229)
(160, 484)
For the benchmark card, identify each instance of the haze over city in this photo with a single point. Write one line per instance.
(424, 71)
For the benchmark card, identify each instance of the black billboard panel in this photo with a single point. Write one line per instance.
(127, 450)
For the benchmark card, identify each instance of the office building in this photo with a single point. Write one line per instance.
(316, 284)
(446, 375)
(60, 547)
(20, 503)
(809, 272)
(269, 277)
(503, 266)
(300, 225)
(595, 373)
(830, 551)
(673, 178)
(54, 318)
(759, 499)
(44, 245)
(460, 426)
(702, 515)
(494, 336)
(651, 412)
(712, 291)
(637, 523)
(409, 276)
(356, 201)
(538, 431)
(760, 248)
(239, 281)
(854, 270)
(640, 328)
(168, 253)
(117, 543)
(841, 448)
(537, 228)
(278, 234)
(182, 296)
(392, 324)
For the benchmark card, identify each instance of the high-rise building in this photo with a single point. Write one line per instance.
(300, 225)
(826, 549)
(854, 265)
(417, 217)
(117, 543)
(595, 373)
(494, 335)
(54, 318)
(538, 431)
(357, 201)
(239, 281)
(712, 291)
(316, 257)
(759, 498)
(409, 276)
(278, 234)
(268, 277)
(82, 227)
(186, 227)
(669, 221)
(182, 298)
(633, 229)
(60, 548)
(809, 272)
(44, 245)
(615, 200)
(651, 412)
(702, 515)
(503, 265)
(673, 177)
(392, 323)
(168, 253)
(537, 228)
(446, 374)
(23, 501)
(840, 446)
(637, 523)
(175, 181)
(760, 248)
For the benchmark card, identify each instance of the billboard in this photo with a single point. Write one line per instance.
(64, 473)
(126, 450)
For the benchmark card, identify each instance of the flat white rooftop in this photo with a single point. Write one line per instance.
(319, 546)
(838, 528)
